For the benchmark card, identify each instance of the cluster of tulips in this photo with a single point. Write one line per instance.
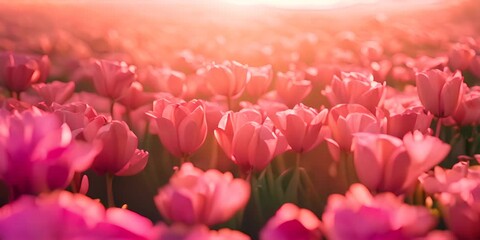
(385, 148)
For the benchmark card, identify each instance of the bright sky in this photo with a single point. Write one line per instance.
(303, 3)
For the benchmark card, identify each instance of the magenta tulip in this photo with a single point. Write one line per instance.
(292, 223)
(19, 71)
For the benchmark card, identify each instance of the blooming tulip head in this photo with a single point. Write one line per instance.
(182, 126)
(301, 126)
(19, 71)
(227, 79)
(292, 88)
(112, 79)
(193, 196)
(291, 222)
(355, 88)
(468, 111)
(260, 80)
(249, 139)
(56, 91)
(63, 215)
(38, 152)
(440, 92)
(460, 56)
(346, 119)
(359, 215)
(383, 163)
(119, 154)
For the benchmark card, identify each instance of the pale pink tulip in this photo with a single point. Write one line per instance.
(468, 111)
(119, 154)
(301, 126)
(193, 196)
(291, 222)
(359, 215)
(292, 88)
(136, 97)
(440, 92)
(227, 79)
(56, 91)
(38, 152)
(475, 66)
(260, 80)
(383, 164)
(249, 139)
(460, 56)
(355, 88)
(182, 126)
(112, 79)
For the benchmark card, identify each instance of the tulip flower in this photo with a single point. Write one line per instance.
(19, 71)
(260, 80)
(119, 155)
(383, 163)
(292, 88)
(249, 140)
(38, 152)
(182, 126)
(63, 215)
(56, 91)
(76, 115)
(292, 222)
(468, 111)
(193, 196)
(460, 56)
(475, 66)
(112, 79)
(460, 180)
(227, 79)
(355, 88)
(440, 92)
(359, 215)
(301, 127)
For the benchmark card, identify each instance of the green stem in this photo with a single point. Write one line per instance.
(112, 106)
(109, 184)
(214, 158)
(438, 128)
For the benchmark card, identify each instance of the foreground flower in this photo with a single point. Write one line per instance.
(63, 215)
(249, 139)
(291, 222)
(440, 92)
(196, 232)
(119, 155)
(301, 127)
(182, 126)
(359, 215)
(193, 196)
(38, 152)
(386, 163)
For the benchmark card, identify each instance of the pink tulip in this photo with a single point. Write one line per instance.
(355, 88)
(383, 163)
(359, 215)
(227, 79)
(460, 180)
(38, 152)
(408, 120)
(182, 126)
(292, 88)
(260, 80)
(468, 111)
(249, 139)
(135, 97)
(112, 79)
(19, 71)
(291, 222)
(193, 196)
(440, 92)
(301, 126)
(165, 80)
(76, 115)
(346, 119)
(119, 155)
(475, 66)
(460, 56)
(56, 91)
(196, 232)
(63, 215)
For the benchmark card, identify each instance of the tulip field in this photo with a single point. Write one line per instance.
(236, 120)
